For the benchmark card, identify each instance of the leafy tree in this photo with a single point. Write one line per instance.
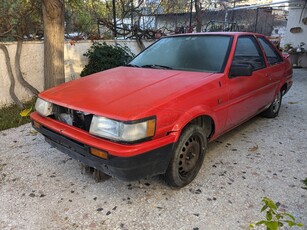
(81, 17)
(176, 6)
(20, 20)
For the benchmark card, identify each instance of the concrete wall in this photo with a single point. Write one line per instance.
(296, 38)
(75, 61)
(32, 65)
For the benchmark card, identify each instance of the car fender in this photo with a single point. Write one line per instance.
(287, 79)
(189, 115)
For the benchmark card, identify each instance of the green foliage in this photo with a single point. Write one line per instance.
(11, 116)
(102, 57)
(176, 6)
(274, 220)
(20, 19)
(81, 16)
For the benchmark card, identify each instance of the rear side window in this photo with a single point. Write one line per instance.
(270, 52)
(249, 52)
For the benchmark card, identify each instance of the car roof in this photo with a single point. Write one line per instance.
(216, 33)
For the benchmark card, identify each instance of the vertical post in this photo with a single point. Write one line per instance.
(114, 18)
(233, 16)
(191, 9)
(257, 12)
(225, 20)
(132, 14)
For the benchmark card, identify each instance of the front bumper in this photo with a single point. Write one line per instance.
(146, 164)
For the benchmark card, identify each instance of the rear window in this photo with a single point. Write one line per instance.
(270, 52)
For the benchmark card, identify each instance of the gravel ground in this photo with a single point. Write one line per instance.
(42, 188)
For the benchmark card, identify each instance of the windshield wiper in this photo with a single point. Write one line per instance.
(154, 66)
(132, 65)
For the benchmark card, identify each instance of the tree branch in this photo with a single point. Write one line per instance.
(19, 75)
(6, 32)
(11, 77)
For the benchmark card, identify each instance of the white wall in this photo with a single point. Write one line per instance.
(32, 64)
(75, 61)
(296, 38)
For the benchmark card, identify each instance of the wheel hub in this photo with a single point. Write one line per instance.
(276, 102)
(189, 156)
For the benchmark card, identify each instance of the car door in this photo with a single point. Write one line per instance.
(247, 94)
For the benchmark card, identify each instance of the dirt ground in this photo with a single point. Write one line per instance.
(42, 188)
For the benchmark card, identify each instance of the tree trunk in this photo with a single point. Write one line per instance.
(140, 43)
(53, 16)
(198, 15)
(19, 76)
(11, 77)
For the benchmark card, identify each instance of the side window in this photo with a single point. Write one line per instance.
(271, 54)
(249, 52)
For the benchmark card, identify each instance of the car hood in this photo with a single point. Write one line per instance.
(123, 93)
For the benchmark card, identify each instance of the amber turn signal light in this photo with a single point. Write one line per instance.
(151, 127)
(36, 125)
(99, 153)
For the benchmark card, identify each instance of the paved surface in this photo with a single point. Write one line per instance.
(41, 188)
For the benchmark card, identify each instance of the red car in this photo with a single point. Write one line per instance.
(157, 114)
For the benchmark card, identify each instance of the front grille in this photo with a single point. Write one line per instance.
(72, 117)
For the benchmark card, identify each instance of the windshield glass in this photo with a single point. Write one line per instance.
(205, 53)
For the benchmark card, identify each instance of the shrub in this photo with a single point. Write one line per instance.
(275, 220)
(102, 57)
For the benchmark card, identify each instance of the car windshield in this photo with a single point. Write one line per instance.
(206, 53)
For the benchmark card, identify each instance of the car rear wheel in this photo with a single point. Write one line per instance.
(274, 108)
(187, 157)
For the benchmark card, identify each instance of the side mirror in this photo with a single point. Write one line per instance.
(241, 70)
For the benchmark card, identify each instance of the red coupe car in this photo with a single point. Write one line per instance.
(157, 114)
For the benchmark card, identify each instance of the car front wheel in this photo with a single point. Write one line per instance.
(274, 108)
(187, 157)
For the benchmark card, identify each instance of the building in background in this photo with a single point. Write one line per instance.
(295, 39)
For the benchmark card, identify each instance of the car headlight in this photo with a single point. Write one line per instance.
(43, 107)
(123, 131)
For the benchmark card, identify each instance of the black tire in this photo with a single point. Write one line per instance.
(187, 157)
(274, 108)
